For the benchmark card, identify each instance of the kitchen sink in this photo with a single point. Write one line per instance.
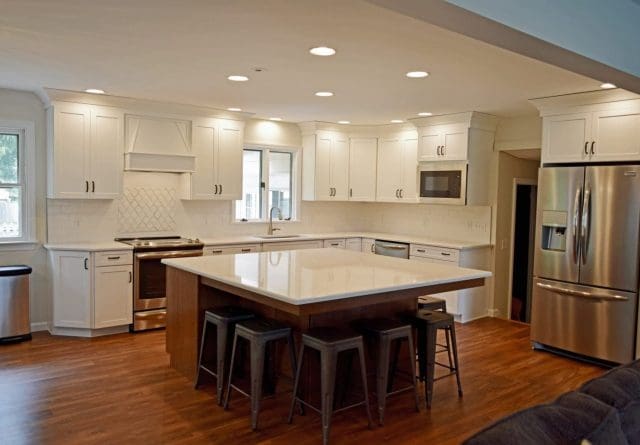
(277, 236)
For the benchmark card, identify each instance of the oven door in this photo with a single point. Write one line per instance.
(443, 184)
(149, 287)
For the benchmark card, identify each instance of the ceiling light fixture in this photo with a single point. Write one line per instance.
(324, 94)
(237, 78)
(396, 121)
(322, 51)
(234, 109)
(94, 91)
(344, 122)
(607, 86)
(425, 113)
(417, 74)
(275, 118)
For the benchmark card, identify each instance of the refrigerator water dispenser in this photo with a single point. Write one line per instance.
(554, 230)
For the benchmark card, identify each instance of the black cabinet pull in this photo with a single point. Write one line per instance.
(246, 250)
(86, 186)
(586, 147)
(215, 189)
(445, 254)
(86, 267)
(113, 257)
(220, 189)
(350, 193)
(593, 144)
(130, 277)
(93, 186)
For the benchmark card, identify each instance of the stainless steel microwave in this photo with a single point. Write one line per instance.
(443, 182)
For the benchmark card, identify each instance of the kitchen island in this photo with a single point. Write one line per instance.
(303, 288)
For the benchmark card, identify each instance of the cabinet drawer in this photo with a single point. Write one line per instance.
(337, 243)
(439, 253)
(226, 250)
(113, 258)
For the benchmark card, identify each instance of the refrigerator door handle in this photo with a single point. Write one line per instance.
(577, 293)
(585, 225)
(576, 222)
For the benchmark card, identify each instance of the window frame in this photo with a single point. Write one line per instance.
(26, 180)
(264, 172)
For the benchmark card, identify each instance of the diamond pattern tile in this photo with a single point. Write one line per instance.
(144, 209)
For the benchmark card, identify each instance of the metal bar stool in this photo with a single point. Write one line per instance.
(438, 304)
(385, 331)
(427, 324)
(224, 319)
(329, 342)
(258, 332)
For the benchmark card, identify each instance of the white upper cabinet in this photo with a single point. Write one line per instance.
(363, 160)
(325, 164)
(217, 146)
(602, 126)
(443, 142)
(397, 167)
(85, 151)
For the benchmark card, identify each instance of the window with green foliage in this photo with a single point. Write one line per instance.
(11, 186)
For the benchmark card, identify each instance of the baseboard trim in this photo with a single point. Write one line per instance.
(40, 326)
(493, 312)
(81, 332)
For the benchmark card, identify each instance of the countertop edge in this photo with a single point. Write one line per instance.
(89, 247)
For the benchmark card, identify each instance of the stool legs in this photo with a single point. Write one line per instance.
(222, 332)
(363, 373)
(382, 376)
(455, 357)
(296, 384)
(430, 364)
(413, 373)
(232, 363)
(202, 342)
(257, 369)
(327, 385)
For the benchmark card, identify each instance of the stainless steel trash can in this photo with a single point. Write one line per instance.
(15, 322)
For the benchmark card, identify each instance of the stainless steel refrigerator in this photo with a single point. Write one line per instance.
(585, 292)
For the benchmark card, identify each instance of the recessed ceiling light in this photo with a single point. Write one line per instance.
(323, 51)
(607, 86)
(344, 122)
(234, 109)
(275, 118)
(417, 74)
(425, 113)
(324, 93)
(396, 121)
(238, 78)
(94, 91)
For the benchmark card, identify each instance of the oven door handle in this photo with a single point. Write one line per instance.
(171, 254)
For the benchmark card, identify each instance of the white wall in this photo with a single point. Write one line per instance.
(25, 106)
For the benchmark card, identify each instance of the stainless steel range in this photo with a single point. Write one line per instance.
(149, 280)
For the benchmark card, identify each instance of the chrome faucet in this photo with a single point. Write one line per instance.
(272, 229)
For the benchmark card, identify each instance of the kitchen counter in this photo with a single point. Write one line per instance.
(89, 246)
(251, 239)
(300, 277)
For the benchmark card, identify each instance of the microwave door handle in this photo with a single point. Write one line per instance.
(586, 225)
(576, 225)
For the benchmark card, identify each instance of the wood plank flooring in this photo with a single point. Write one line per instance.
(120, 389)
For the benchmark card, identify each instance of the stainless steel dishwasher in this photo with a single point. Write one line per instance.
(389, 248)
(14, 303)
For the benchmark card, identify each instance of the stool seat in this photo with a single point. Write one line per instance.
(434, 318)
(432, 303)
(331, 336)
(229, 313)
(257, 326)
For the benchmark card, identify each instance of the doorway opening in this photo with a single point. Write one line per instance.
(525, 193)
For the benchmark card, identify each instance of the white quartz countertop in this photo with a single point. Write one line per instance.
(249, 239)
(315, 275)
(89, 246)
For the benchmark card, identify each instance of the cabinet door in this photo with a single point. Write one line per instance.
(430, 140)
(354, 244)
(225, 250)
(616, 135)
(112, 296)
(106, 160)
(409, 162)
(564, 138)
(389, 169)
(340, 167)
(363, 158)
(71, 133)
(455, 139)
(450, 297)
(228, 163)
(337, 243)
(203, 146)
(71, 290)
(323, 167)
(291, 245)
(368, 245)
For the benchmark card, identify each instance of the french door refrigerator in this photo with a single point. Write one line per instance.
(585, 293)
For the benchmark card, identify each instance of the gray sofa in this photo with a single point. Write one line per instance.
(605, 410)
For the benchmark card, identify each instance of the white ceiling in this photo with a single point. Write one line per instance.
(182, 50)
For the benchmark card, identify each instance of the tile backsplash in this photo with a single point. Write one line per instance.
(150, 205)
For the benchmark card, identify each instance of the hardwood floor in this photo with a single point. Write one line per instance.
(120, 389)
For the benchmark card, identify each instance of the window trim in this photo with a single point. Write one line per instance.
(296, 170)
(26, 153)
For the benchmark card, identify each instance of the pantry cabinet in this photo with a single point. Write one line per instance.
(85, 151)
(397, 167)
(325, 165)
(91, 291)
(217, 146)
(363, 164)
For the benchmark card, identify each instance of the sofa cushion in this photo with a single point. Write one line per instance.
(620, 388)
(571, 419)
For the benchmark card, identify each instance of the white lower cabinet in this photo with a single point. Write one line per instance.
(336, 243)
(291, 245)
(354, 244)
(465, 304)
(368, 245)
(91, 290)
(226, 250)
